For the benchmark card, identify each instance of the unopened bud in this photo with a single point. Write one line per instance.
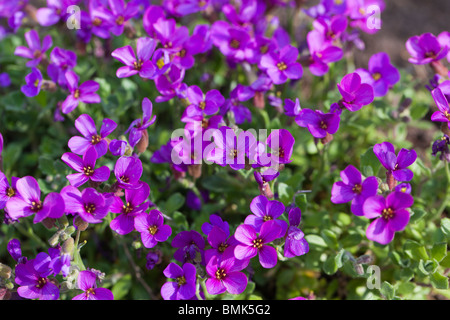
(49, 223)
(80, 223)
(328, 138)
(68, 246)
(359, 269)
(390, 180)
(63, 221)
(5, 271)
(364, 259)
(48, 85)
(259, 100)
(143, 142)
(54, 240)
(195, 170)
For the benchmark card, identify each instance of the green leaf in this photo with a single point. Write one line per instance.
(315, 241)
(439, 281)
(285, 192)
(428, 267)
(46, 165)
(180, 219)
(330, 266)
(369, 159)
(330, 239)
(174, 203)
(387, 290)
(122, 287)
(445, 227)
(415, 250)
(439, 251)
(417, 215)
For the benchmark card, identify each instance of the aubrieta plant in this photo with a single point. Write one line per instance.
(215, 150)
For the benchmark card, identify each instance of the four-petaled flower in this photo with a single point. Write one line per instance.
(87, 281)
(184, 286)
(152, 228)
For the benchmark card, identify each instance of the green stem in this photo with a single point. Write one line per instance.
(76, 253)
(446, 200)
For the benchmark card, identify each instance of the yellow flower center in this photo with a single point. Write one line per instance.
(281, 66)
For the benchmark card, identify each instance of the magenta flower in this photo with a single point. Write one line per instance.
(171, 84)
(55, 11)
(135, 204)
(35, 51)
(443, 114)
(396, 165)
(33, 281)
(34, 83)
(83, 93)
(283, 65)
(200, 103)
(216, 221)
(141, 64)
(128, 171)
(61, 61)
(252, 244)
(121, 14)
(322, 53)
(391, 213)
(190, 246)
(281, 142)
(152, 228)
(89, 204)
(353, 189)
(232, 41)
(7, 191)
(224, 275)
(318, 123)
(355, 94)
(425, 49)
(29, 202)
(234, 104)
(184, 286)
(295, 244)
(291, 108)
(381, 74)
(137, 126)
(87, 281)
(266, 210)
(85, 167)
(90, 137)
(220, 242)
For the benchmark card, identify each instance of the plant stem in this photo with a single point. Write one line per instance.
(446, 200)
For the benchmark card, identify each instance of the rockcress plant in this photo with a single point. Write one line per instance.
(211, 167)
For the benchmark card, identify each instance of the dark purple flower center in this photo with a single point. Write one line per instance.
(281, 152)
(10, 192)
(387, 213)
(323, 125)
(257, 243)
(281, 66)
(267, 218)
(88, 171)
(181, 280)
(222, 247)
(182, 53)
(430, 54)
(124, 179)
(97, 22)
(76, 94)
(264, 49)
(36, 206)
(205, 123)
(89, 292)
(233, 153)
(357, 188)
(96, 139)
(221, 274)
(168, 45)
(137, 65)
(120, 20)
(41, 282)
(235, 44)
(89, 207)
(37, 54)
(447, 115)
(153, 229)
(127, 208)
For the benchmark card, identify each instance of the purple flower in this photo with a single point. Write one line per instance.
(135, 204)
(121, 14)
(7, 191)
(15, 250)
(355, 94)
(425, 49)
(282, 66)
(216, 221)
(241, 113)
(5, 81)
(84, 92)
(318, 123)
(152, 228)
(153, 258)
(34, 82)
(35, 51)
(86, 126)
(391, 215)
(29, 202)
(291, 108)
(353, 189)
(190, 246)
(403, 187)
(281, 142)
(33, 281)
(444, 40)
(199, 103)
(141, 64)
(85, 167)
(225, 276)
(55, 10)
(117, 147)
(443, 114)
(295, 244)
(381, 74)
(171, 84)
(169, 35)
(396, 165)
(137, 126)
(266, 210)
(252, 244)
(128, 171)
(184, 286)
(232, 41)
(87, 281)
(101, 19)
(440, 145)
(61, 61)
(89, 204)
(322, 53)
(220, 242)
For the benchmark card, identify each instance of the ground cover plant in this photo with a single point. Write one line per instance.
(216, 150)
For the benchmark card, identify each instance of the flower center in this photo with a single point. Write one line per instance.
(36, 206)
(235, 44)
(181, 280)
(447, 115)
(257, 243)
(168, 45)
(36, 83)
(205, 123)
(160, 63)
(281, 152)
(127, 208)
(120, 20)
(96, 139)
(430, 54)
(76, 94)
(376, 76)
(387, 213)
(264, 49)
(267, 218)
(89, 207)
(41, 282)
(222, 247)
(357, 188)
(10, 192)
(362, 11)
(281, 66)
(202, 105)
(323, 125)
(124, 179)
(37, 54)
(182, 53)
(138, 65)
(88, 171)
(89, 292)
(220, 274)
(153, 229)
(233, 153)
(97, 22)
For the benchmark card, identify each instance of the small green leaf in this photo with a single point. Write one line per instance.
(285, 192)
(439, 251)
(174, 203)
(330, 239)
(369, 159)
(387, 290)
(122, 287)
(315, 241)
(330, 266)
(445, 227)
(415, 250)
(439, 281)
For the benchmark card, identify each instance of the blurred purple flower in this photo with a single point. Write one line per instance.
(355, 94)
(396, 165)
(425, 49)
(79, 93)
(34, 83)
(35, 51)
(283, 65)
(318, 123)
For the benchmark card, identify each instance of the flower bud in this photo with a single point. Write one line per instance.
(5, 271)
(49, 223)
(143, 142)
(80, 223)
(54, 240)
(63, 221)
(68, 246)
